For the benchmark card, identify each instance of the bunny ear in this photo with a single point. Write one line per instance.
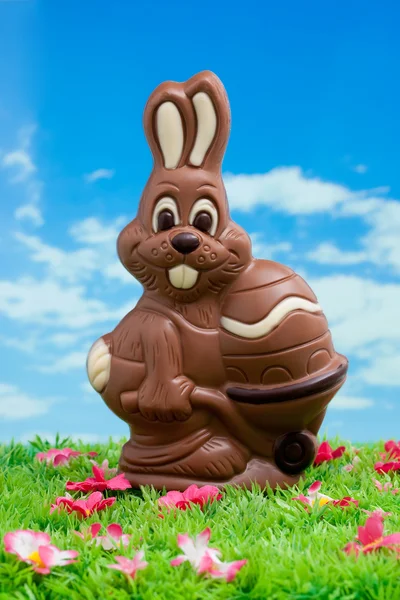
(188, 123)
(212, 120)
(169, 124)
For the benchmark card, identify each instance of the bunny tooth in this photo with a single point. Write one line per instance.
(183, 276)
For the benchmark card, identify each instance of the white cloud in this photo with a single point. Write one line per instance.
(360, 311)
(261, 249)
(93, 232)
(17, 405)
(29, 212)
(64, 339)
(70, 266)
(285, 189)
(99, 174)
(21, 162)
(98, 256)
(64, 364)
(27, 345)
(383, 369)
(328, 254)
(364, 319)
(361, 169)
(48, 302)
(289, 190)
(380, 246)
(89, 394)
(350, 403)
(116, 271)
(22, 165)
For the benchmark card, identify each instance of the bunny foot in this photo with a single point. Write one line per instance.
(218, 459)
(98, 365)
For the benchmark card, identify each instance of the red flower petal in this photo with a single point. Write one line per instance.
(338, 452)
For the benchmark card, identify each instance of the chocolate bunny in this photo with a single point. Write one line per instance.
(225, 366)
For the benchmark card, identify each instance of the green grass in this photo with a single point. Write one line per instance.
(291, 554)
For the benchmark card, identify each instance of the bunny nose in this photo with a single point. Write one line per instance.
(185, 242)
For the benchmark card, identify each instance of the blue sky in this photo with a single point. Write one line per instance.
(311, 172)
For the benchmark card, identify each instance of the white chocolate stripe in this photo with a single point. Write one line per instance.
(272, 320)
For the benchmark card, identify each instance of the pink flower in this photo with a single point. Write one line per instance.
(94, 503)
(378, 512)
(204, 559)
(393, 449)
(108, 471)
(356, 460)
(99, 483)
(385, 467)
(315, 498)
(370, 537)
(112, 540)
(325, 453)
(60, 456)
(346, 501)
(129, 566)
(35, 548)
(386, 487)
(192, 495)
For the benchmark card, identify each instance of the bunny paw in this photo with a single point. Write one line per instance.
(98, 365)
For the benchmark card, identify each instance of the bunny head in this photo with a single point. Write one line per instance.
(182, 243)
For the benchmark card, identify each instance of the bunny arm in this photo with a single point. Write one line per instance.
(164, 394)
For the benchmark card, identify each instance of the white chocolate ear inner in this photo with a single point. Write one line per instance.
(170, 134)
(206, 127)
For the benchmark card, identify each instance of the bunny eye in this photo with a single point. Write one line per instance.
(203, 221)
(165, 220)
(204, 216)
(165, 214)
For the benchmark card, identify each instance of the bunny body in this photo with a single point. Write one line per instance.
(225, 366)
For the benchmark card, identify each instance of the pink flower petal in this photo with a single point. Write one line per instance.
(346, 501)
(178, 560)
(303, 499)
(314, 487)
(24, 542)
(119, 482)
(94, 499)
(114, 530)
(378, 512)
(94, 529)
(234, 568)
(392, 539)
(192, 495)
(206, 564)
(60, 459)
(170, 499)
(372, 530)
(129, 567)
(352, 548)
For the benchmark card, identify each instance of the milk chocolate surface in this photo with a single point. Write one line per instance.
(225, 367)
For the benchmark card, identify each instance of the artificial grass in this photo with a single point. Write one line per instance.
(291, 553)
